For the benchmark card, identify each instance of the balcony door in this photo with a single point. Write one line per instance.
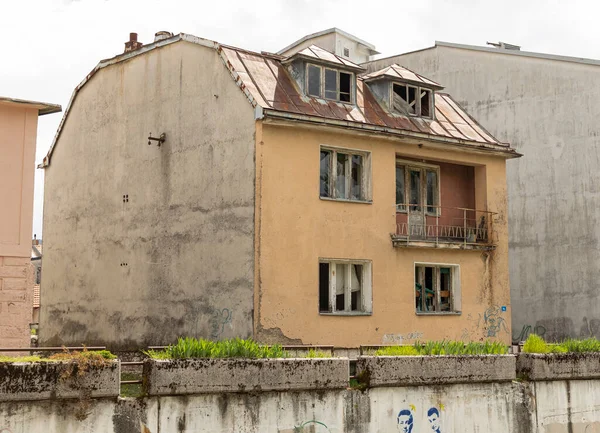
(417, 195)
(416, 217)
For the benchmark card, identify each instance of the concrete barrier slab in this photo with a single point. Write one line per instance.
(558, 366)
(424, 370)
(57, 380)
(199, 376)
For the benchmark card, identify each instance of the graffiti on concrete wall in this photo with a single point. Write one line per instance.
(526, 330)
(312, 426)
(405, 421)
(490, 323)
(401, 338)
(218, 322)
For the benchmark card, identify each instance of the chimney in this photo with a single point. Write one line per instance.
(133, 43)
(159, 36)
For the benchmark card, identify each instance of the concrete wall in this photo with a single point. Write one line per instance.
(553, 406)
(295, 228)
(547, 110)
(18, 124)
(175, 255)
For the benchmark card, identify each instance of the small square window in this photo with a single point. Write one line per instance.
(437, 288)
(346, 52)
(345, 286)
(344, 174)
(329, 83)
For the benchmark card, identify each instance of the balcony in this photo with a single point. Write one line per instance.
(443, 227)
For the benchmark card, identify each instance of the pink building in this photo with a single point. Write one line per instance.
(18, 130)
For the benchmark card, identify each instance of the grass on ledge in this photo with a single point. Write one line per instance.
(536, 344)
(445, 348)
(189, 347)
(84, 355)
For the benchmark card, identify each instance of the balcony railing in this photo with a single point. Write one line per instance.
(439, 225)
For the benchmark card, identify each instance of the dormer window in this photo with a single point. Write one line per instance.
(412, 100)
(329, 83)
(402, 91)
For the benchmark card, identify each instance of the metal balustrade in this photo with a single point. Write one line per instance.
(438, 224)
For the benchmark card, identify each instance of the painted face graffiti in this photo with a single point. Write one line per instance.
(433, 416)
(494, 322)
(405, 421)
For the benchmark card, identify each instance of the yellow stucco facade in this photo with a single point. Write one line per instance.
(295, 228)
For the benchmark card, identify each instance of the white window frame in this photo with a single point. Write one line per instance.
(455, 290)
(365, 178)
(408, 165)
(366, 300)
(338, 71)
(418, 101)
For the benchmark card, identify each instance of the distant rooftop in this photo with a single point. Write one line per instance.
(371, 47)
(505, 49)
(43, 107)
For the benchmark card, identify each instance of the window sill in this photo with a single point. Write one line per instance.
(449, 313)
(346, 200)
(354, 313)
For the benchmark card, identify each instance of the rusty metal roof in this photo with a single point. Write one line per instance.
(264, 80)
(268, 81)
(397, 72)
(318, 54)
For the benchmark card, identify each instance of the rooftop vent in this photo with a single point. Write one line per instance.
(159, 36)
(133, 43)
(505, 46)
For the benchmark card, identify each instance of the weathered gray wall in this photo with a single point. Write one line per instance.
(549, 111)
(177, 259)
(515, 407)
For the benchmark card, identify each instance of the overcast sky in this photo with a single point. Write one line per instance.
(48, 46)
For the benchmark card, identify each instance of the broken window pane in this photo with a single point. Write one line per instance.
(324, 287)
(433, 288)
(412, 99)
(314, 80)
(432, 192)
(340, 183)
(429, 289)
(415, 190)
(355, 304)
(356, 177)
(341, 285)
(345, 87)
(330, 84)
(425, 101)
(400, 187)
(445, 289)
(419, 288)
(400, 100)
(324, 175)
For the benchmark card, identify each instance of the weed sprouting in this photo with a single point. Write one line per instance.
(190, 347)
(445, 348)
(536, 344)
